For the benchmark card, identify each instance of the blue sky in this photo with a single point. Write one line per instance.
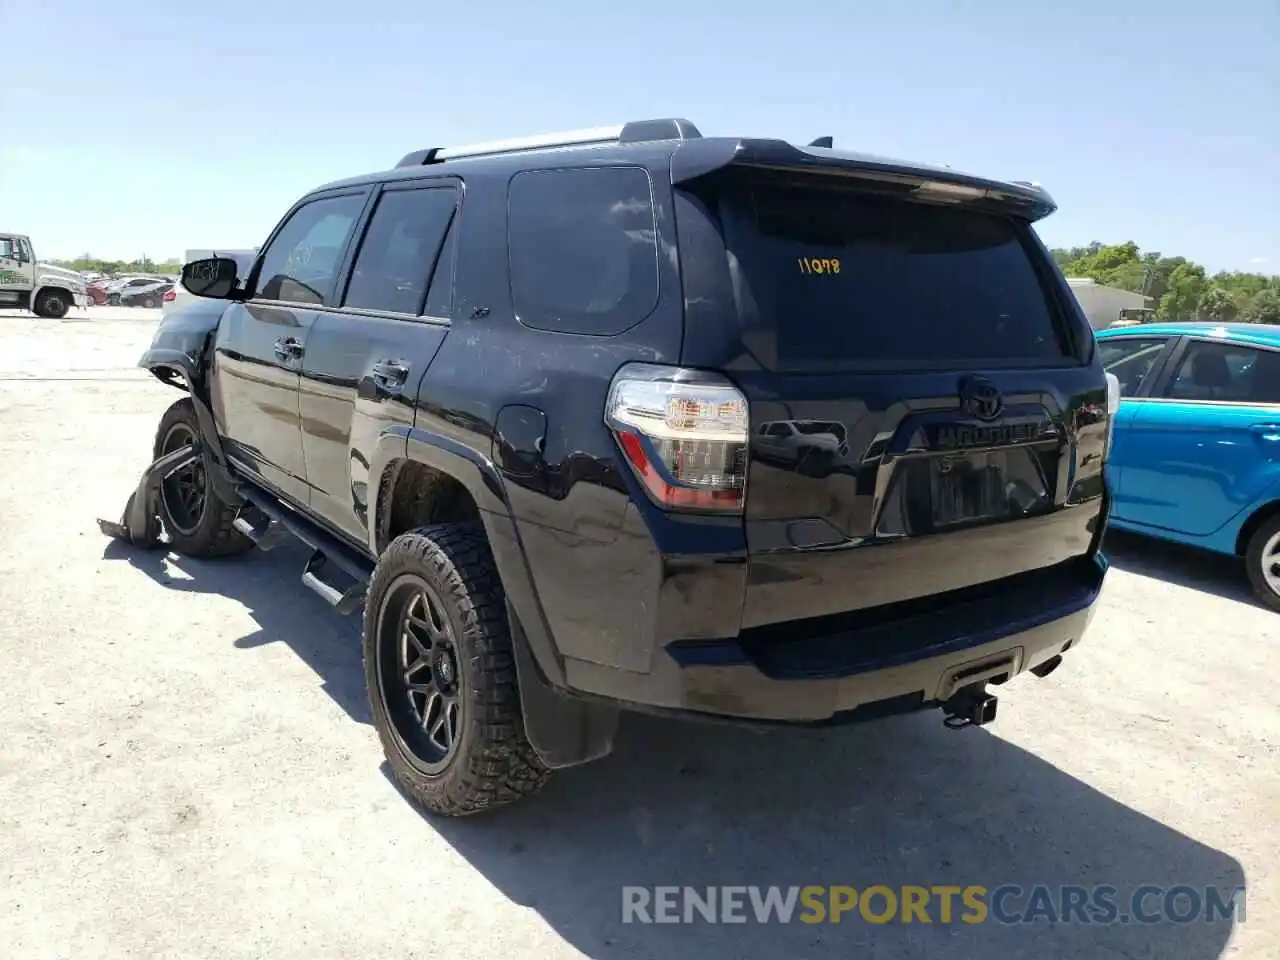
(135, 127)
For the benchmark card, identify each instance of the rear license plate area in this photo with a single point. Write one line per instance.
(937, 493)
(968, 489)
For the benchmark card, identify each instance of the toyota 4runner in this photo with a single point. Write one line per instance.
(636, 418)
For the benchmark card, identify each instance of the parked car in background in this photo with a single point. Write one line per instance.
(124, 287)
(145, 295)
(1197, 442)
(97, 291)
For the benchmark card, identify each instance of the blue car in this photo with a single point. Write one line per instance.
(1196, 454)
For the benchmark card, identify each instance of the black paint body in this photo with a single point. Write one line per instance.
(764, 616)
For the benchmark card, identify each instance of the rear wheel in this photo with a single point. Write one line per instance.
(199, 524)
(52, 304)
(149, 302)
(1262, 559)
(441, 675)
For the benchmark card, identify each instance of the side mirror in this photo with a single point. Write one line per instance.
(214, 277)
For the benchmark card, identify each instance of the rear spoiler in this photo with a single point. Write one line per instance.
(695, 159)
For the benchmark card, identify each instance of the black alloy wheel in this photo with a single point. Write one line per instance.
(419, 676)
(185, 491)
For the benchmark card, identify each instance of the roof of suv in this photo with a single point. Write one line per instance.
(693, 155)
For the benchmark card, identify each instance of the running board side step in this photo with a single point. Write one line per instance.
(266, 534)
(344, 601)
(273, 519)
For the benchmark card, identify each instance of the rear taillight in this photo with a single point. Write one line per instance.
(170, 295)
(684, 435)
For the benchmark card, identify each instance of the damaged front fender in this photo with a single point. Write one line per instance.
(180, 349)
(178, 356)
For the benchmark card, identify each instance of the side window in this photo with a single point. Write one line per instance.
(8, 248)
(1130, 359)
(398, 254)
(1226, 372)
(300, 264)
(440, 293)
(583, 249)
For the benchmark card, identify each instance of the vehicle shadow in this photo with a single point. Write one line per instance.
(269, 586)
(1202, 570)
(898, 802)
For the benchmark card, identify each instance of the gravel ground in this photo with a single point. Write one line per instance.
(187, 768)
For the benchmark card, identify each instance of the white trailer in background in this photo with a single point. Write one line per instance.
(1102, 304)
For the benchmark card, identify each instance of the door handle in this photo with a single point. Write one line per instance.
(1269, 432)
(287, 349)
(390, 374)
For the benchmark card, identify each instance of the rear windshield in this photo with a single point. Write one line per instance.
(845, 278)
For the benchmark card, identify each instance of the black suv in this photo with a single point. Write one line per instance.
(636, 418)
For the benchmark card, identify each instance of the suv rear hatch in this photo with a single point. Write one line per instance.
(927, 423)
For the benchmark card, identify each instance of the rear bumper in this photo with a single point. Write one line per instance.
(852, 675)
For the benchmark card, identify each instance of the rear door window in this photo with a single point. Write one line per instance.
(1226, 373)
(847, 279)
(398, 255)
(583, 249)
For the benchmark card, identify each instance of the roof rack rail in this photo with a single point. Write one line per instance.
(637, 131)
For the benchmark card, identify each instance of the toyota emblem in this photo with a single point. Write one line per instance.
(981, 398)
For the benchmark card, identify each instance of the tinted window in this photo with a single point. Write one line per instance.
(1130, 359)
(300, 263)
(843, 278)
(440, 293)
(583, 249)
(398, 254)
(1225, 372)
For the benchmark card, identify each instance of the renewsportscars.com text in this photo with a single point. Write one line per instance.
(973, 904)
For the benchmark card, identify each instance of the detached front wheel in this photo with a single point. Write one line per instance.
(441, 675)
(198, 522)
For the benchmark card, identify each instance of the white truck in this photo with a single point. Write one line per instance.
(42, 288)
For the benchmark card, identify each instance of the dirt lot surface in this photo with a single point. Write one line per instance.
(187, 768)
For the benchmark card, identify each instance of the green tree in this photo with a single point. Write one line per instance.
(1217, 304)
(1106, 264)
(1186, 286)
(1265, 307)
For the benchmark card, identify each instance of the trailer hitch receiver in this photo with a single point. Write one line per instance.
(969, 706)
